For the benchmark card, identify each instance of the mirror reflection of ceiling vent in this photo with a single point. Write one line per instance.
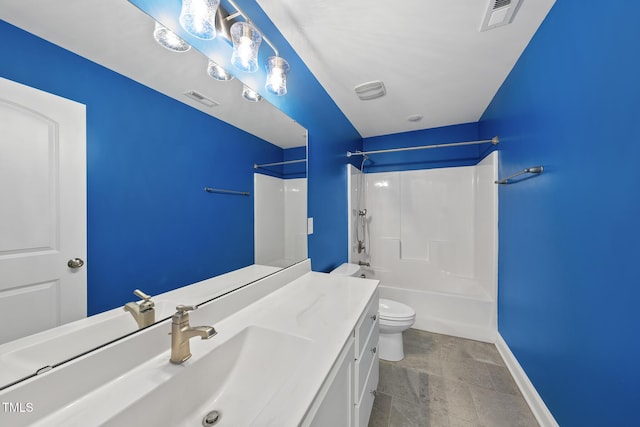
(499, 13)
(196, 96)
(370, 90)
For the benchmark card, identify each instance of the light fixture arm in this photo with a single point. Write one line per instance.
(246, 18)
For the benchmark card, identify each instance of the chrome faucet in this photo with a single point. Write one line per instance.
(181, 333)
(143, 312)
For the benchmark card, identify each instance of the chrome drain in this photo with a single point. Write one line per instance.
(211, 418)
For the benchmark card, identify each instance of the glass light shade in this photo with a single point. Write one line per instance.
(169, 40)
(250, 94)
(198, 18)
(246, 42)
(217, 72)
(277, 70)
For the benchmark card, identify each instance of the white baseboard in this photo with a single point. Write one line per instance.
(537, 405)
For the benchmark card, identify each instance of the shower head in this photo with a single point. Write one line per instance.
(364, 159)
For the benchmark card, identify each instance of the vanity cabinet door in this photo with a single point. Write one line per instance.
(365, 405)
(366, 366)
(364, 362)
(334, 405)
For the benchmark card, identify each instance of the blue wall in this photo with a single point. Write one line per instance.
(568, 279)
(428, 158)
(150, 223)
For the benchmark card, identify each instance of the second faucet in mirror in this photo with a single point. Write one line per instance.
(143, 312)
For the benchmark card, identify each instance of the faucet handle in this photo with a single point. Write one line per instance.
(146, 303)
(182, 309)
(142, 295)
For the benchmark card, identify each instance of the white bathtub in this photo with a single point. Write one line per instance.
(453, 307)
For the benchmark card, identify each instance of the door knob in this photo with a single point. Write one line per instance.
(75, 263)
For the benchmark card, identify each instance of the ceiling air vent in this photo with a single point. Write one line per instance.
(499, 12)
(196, 96)
(370, 90)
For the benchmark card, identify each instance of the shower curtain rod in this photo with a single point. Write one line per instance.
(288, 162)
(495, 140)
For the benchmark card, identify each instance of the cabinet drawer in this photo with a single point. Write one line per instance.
(365, 405)
(363, 363)
(366, 322)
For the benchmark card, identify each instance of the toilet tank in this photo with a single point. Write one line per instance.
(347, 269)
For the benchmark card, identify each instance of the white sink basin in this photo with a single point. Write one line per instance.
(238, 378)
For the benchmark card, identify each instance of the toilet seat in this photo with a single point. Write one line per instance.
(395, 311)
(397, 319)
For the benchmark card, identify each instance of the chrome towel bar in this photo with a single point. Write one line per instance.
(533, 169)
(217, 190)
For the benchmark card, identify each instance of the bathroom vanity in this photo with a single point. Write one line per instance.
(294, 348)
(346, 398)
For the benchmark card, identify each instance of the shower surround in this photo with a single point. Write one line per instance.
(432, 241)
(280, 220)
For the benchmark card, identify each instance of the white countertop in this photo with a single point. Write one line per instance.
(318, 307)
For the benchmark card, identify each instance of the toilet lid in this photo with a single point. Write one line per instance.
(395, 310)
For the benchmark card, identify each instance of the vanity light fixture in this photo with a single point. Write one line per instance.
(250, 94)
(246, 38)
(277, 70)
(246, 42)
(217, 72)
(197, 17)
(169, 40)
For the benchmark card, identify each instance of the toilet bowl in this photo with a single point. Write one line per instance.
(394, 316)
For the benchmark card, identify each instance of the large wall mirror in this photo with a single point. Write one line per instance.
(175, 194)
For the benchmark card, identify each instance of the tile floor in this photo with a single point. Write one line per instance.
(445, 381)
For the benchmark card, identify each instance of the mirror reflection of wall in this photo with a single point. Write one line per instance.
(150, 224)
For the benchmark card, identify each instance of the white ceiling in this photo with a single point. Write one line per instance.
(430, 55)
(117, 35)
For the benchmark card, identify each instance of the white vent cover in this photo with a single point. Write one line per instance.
(370, 90)
(196, 96)
(499, 13)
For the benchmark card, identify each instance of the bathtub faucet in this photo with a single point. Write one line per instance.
(364, 264)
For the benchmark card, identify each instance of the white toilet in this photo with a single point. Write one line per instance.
(394, 316)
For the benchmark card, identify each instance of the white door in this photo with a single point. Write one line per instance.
(42, 211)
